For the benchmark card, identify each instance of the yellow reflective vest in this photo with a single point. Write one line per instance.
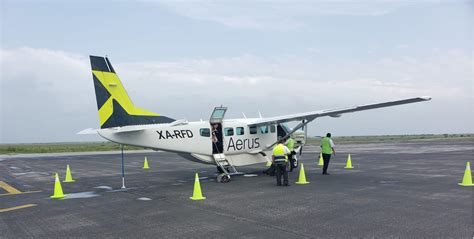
(279, 153)
(290, 144)
(326, 145)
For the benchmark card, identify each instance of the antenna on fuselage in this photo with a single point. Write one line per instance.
(244, 115)
(260, 114)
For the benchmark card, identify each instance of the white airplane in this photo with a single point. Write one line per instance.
(235, 142)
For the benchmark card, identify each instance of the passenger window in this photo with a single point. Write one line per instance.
(229, 131)
(240, 130)
(263, 129)
(272, 128)
(253, 129)
(205, 132)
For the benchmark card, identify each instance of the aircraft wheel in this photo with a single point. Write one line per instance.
(223, 178)
(226, 179)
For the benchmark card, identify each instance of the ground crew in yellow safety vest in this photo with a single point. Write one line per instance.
(327, 148)
(290, 143)
(280, 160)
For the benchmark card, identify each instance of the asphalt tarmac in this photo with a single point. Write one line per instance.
(396, 190)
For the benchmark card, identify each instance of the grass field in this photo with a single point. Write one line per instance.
(386, 138)
(61, 147)
(107, 146)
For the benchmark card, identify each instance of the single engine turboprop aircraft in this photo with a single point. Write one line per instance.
(223, 142)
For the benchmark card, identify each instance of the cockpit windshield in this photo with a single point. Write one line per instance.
(282, 130)
(285, 127)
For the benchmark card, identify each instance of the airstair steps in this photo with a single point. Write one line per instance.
(224, 164)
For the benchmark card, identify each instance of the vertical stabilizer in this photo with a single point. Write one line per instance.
(115, 106)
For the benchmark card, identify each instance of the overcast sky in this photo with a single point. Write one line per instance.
(182, 58)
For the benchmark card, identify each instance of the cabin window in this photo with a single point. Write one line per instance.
(264, 129)
(253, 129)
(272, 128)
(239, 130)
(229, 131)
(205, 132)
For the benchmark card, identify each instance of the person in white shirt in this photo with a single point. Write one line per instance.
(327, 148)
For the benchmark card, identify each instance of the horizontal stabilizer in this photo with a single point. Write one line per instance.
(88, 131)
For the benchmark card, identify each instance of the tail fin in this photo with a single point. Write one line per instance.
(114, 104)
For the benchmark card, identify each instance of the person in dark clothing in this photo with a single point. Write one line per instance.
(280, 159)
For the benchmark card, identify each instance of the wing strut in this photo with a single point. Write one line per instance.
(297, 127)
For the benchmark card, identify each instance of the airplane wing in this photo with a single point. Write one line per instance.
(310, 116)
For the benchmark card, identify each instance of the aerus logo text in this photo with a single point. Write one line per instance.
(243, 144)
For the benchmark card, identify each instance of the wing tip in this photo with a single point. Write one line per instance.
(426, 98)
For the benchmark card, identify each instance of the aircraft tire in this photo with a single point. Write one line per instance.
(223, 178)
(226, 179)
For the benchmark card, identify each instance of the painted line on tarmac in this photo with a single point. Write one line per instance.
(27, 192)
(17, 207)
(11, 190)
(8, 188)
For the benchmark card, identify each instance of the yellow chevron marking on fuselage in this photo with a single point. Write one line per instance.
(113, 84)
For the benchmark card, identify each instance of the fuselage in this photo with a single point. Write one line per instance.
(242, 145)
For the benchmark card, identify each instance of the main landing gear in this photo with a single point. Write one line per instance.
(223, 178)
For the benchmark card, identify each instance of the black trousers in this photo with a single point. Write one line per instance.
(291, 157)
(281, 170)
(326, 158)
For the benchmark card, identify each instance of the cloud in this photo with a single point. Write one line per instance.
(277, 15)
(48, 95)
(444, 74)
(43, 95)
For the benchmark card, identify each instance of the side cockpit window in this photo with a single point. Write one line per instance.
(272, 128)
(229, 131)
(205, 132)
(253, 129)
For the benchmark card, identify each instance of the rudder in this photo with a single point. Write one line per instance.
(113, 103)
